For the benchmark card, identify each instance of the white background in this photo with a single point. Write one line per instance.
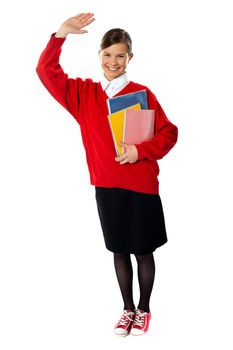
(58, 285)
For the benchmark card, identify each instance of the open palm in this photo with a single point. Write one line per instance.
(75, 24)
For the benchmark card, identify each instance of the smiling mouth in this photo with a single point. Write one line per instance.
(113, 69)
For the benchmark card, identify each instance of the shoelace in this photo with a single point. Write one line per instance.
(139, 319)
(125, 318)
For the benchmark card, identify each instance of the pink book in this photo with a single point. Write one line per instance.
(138, 125)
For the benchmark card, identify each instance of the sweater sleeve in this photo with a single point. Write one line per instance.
(165, 136)
(65, 90)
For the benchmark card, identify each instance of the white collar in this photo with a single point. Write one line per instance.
(116, 83)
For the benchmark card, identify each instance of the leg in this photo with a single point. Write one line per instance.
(124, 272)
(146, 275)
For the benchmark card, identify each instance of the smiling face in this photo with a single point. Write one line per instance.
(114, 60)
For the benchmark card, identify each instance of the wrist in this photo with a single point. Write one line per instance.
(61, 34)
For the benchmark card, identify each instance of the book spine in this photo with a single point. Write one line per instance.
(123, 138)
(114, 141)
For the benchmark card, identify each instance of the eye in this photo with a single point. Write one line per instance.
(107, 54)
(121, 56)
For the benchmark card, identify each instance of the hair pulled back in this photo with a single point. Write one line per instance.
(116, 36)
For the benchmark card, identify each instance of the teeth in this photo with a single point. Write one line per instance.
(112, 68)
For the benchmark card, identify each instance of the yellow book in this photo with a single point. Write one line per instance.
(116, 121)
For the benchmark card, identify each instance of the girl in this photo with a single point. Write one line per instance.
(126, 187)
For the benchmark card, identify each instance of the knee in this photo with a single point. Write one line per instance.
(143, 259)
(121, 257)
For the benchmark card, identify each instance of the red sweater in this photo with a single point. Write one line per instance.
(86, 101)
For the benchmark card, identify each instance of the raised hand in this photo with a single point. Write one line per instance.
(75, 24)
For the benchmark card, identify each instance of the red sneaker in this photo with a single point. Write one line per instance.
(141, 322)
(123, 327)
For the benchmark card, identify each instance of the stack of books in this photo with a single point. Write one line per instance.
(130, 119)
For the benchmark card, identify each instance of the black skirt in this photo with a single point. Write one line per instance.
(132, 222)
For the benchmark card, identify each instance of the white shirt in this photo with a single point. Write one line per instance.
(114, 86)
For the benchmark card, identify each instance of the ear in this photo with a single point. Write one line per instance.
(130, 56)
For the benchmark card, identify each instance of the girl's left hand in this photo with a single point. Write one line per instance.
(129, 156)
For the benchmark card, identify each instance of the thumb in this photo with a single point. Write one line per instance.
(82, 31)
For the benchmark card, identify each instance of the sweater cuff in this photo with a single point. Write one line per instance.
(59, 40)
(141, 148)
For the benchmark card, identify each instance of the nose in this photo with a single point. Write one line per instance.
(113, 61)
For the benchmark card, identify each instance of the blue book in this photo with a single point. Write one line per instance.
(118, 103)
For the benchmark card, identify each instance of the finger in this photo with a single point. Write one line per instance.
(123, 145)
(86, 17)
(82, 31)
(124, 149)
(122, 157)
(124, 161)
(79, 16)
(83, 18)
(88, 22)
(84, 14)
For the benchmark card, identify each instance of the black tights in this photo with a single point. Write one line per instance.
(146, 275)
